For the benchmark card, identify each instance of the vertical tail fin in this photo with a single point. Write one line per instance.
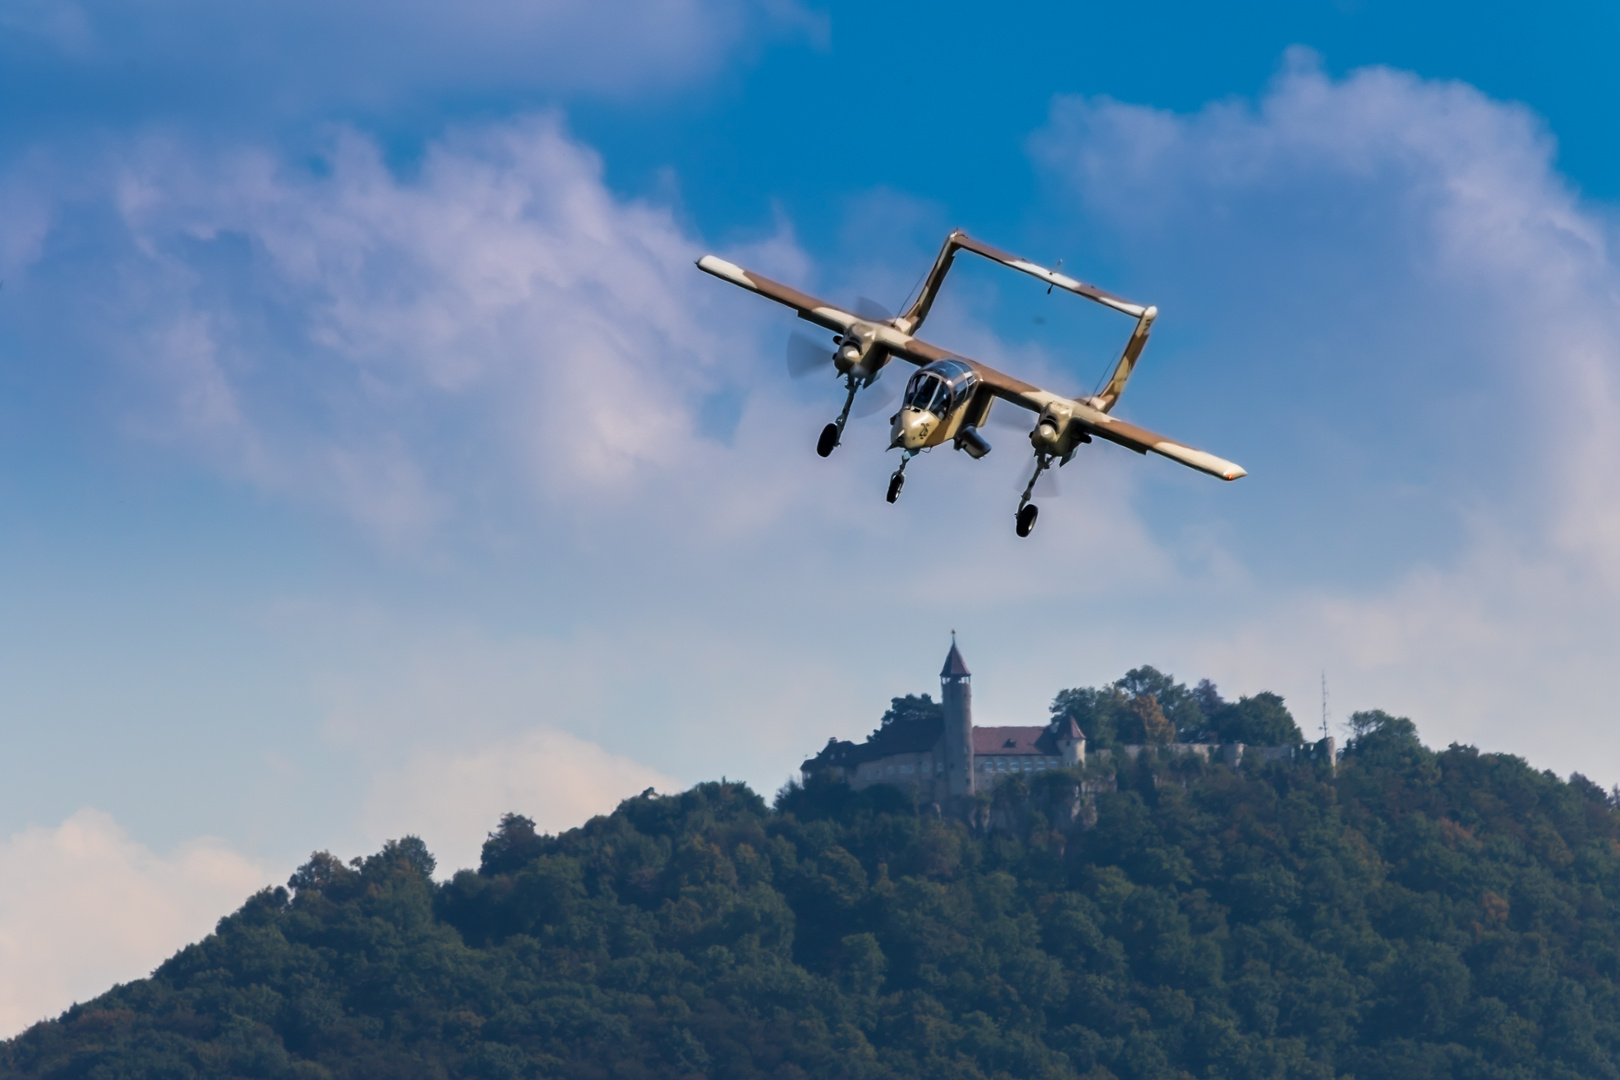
(914, 315)
(1127, 361)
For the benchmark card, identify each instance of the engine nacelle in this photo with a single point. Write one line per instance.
(1057, 432)
(859, 353)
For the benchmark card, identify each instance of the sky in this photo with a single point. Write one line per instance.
(374, 461)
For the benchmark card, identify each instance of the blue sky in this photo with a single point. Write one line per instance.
(373, 460)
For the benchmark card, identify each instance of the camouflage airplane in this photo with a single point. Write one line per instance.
(949, 397)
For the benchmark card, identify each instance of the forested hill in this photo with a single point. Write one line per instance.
(1419, 915)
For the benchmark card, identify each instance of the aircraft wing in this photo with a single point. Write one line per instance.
(1026, 395)
(817, 311)
(1094, 420)
(1142, 440)
(820, 312)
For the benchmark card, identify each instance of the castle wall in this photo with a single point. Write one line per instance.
(924, 771)
(966, 759)
(990, 767)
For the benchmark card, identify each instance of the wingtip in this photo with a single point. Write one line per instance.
(720, 268)
(1235, 474)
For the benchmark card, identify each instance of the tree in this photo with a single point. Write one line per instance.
(1261, 720)
(912, 707)
(1176, 703)
(1097, 711)
(1377, 721)
(1209, 699)
(1150, 725)
(511, 846)
(1417, 914)
(1375, 735)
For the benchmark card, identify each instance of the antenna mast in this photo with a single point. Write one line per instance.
(1324, 704)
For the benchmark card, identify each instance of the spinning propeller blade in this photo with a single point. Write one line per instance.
(874, 399)
(871, 310)
(805, 354)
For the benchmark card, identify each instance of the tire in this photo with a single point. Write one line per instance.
(895, 484)
(828, 440)
(1026, 519)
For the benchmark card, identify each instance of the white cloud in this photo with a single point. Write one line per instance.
(496, 360)
(1420, 311)
(83, 906)
(493, 356)
(360, 53)
(451, 800)
(404, 349)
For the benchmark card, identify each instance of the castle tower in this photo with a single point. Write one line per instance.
(956, 694)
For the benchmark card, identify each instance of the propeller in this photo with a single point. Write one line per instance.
(871, 310)
(805, 354)
(874, 399)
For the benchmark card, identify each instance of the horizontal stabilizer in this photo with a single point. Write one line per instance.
(1051, 277)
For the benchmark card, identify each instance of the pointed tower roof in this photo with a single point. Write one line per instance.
(955, 667)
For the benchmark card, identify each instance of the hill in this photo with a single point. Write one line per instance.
(1419, 914)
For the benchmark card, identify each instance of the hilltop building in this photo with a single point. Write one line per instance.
(949, 757)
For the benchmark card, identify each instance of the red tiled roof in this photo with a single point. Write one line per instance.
(989, 741)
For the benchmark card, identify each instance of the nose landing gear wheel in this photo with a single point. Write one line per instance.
(828, 440)
(1026, 519)
(896, 482)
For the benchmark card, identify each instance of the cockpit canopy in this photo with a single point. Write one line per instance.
(941, 387)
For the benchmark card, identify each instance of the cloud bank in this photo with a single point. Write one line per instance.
(452, 799)
(1377, 293)
(183, 57)
(1420, 312)
(83, 906)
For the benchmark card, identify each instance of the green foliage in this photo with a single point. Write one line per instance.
(1261, 720)
(1419, 915)
(1146, 706)
(912, 707)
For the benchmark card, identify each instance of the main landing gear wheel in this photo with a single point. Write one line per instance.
(896, 482)
(828, 440)
(1026, 519)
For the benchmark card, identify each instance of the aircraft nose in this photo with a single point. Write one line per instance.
(910, 429)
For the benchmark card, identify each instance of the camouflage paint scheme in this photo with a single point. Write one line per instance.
(1062, 424)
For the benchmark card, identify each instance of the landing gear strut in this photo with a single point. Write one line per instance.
(898, 480)
(1028, 511)
(833, 433)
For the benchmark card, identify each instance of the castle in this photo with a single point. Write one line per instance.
(949, 757)
(946, 757)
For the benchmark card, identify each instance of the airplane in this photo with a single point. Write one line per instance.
(949, 397)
